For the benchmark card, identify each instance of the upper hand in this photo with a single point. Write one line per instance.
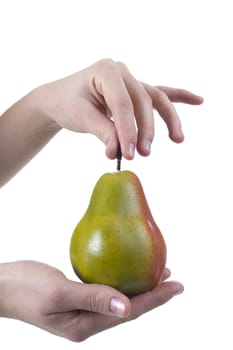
(41, 295)
(107, 101)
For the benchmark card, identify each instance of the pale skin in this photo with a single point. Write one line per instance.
(107, 101)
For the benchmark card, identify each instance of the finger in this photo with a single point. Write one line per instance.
(181, 95)
(109, 83)
(96, 298)
(158, 296)
(105, 130)
(167, 111)
(98, 124)
(143, 111)
(166, 274)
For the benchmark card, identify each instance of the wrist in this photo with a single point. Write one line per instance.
(37, 100)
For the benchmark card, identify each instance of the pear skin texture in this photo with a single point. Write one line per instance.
(117, 242)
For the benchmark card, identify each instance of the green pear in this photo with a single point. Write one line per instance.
(117, 242)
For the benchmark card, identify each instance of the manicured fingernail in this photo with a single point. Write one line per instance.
(117, 307)
(131, 149)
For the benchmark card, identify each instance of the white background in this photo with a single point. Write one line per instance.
(189, 186)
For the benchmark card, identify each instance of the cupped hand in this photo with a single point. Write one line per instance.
(107, 101)
(41, 295)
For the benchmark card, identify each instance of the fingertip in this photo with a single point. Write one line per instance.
(178, 288)
(166, 274)
(177, 136)
(145, 148)
(193, 99)
(199, 99)
(110, 153)
(128, 150)
(131, 150)
(111, 148)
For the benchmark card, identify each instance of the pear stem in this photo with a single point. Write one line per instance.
(119, 157)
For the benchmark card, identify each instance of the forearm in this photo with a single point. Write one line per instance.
(24, 131)
(5, 290)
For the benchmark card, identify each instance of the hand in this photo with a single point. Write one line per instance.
(106, 100)
(41, 295)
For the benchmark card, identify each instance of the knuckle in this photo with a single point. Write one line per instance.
(93, 301)
(122, 66)
(97, 303)
(98, 299)
(106, 63)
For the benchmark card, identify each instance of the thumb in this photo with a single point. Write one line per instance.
(104, 128)
(98, 298)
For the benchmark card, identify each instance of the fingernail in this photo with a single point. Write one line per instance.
(131, 149)
(117, 307)
(148, 146)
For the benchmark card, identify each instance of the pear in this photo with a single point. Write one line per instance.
(117, 242)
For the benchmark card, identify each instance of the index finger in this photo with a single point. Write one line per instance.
(111, 86)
